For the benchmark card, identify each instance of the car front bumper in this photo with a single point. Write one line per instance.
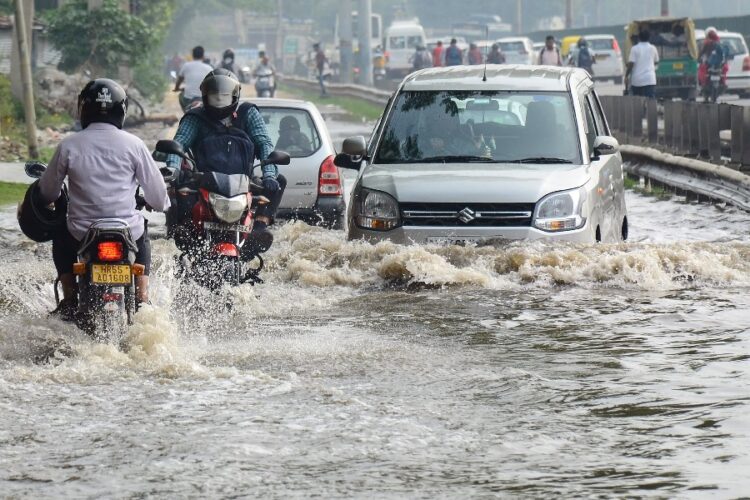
(425, 235)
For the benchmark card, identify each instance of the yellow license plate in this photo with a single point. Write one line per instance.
(110, 274)
(678, 66)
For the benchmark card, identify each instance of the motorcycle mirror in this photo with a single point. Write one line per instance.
(34, 169)
(278, 158)
(170, 147)
(159, 156)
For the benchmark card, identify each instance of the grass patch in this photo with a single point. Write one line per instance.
(356, 107)
(11, 193)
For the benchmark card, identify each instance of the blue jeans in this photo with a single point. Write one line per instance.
(322, 81)
(645, 91)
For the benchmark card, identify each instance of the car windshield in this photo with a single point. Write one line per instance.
(512, 46)
(602, 44)
(480, 126)
(291, 130)
(733, 46)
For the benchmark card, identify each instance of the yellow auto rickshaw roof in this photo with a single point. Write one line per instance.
(637, 26)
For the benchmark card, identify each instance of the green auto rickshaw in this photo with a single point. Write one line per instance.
(674, 39)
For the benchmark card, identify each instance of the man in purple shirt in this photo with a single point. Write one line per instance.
(104, 166)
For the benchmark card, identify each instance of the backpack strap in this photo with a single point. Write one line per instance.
(240, 116)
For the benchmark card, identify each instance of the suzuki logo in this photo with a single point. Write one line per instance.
(466, 215)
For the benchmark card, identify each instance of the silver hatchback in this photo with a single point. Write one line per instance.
(460, 157)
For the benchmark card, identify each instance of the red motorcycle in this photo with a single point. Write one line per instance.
(211, 221)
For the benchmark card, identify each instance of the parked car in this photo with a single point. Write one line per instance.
(518, 50)
(314, 191)
(526, 153)
(735, 48)
(608, 57)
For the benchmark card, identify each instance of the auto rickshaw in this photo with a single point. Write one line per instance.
(674, 39)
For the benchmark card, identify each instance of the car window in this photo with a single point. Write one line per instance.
(512, 46)
(397, 42)
(292, 130)
(377, 128)
(601, 44)
(589, 124)
(412, 42)
(493, 126)
(601, 121)
(733, 46)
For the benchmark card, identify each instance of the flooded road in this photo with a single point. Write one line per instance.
(360, 370)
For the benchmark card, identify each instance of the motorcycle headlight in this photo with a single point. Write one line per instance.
(561, 211)
(228, 209)
(377, 211)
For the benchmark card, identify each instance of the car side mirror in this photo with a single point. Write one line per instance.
(34, 169)
(170, 147)
(605, 145)
(343, 160)
(354, 146)
(277, 158)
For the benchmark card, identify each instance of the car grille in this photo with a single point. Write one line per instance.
(467, 214)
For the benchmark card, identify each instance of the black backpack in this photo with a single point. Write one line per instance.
(584, 58)
(225, 149)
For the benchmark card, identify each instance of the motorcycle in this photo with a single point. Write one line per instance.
(713, 87)
(105, 273)
(212, 219)
(188, 104)
(265, 84)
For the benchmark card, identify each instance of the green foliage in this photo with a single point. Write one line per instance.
(6, 7)
(103, 38)
(11, 192)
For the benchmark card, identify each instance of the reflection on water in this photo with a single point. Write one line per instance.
(360, 370)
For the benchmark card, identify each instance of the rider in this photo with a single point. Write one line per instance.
(192, 73)
(227, 61)
(712, 56)
(264, 66)
(104, 166)
(222, 114)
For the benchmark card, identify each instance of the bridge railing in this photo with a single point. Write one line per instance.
(719, 133)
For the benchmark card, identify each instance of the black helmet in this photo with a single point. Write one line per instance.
(221, 93)
(36, 219)
(228, 54)
(102, 100)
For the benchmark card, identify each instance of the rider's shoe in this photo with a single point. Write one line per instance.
(260, 239)
(66, 309)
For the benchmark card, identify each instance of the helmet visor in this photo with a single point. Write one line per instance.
(220, 99)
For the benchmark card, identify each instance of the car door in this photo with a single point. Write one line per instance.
(604, 168)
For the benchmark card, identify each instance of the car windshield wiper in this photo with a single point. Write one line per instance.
(541, 159)
(455, 159)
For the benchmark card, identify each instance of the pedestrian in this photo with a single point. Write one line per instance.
(640, 75)
(475, 55)
(550, 53)
(453, 55)
(584, 59)
(496, 55)
(437, 54)
(421, 58)
(320, 65)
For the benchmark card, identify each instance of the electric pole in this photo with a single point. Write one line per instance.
(28, 90)
(568, 14)
(519, 16)
(664, 8)
(345, 40)
(279, 49)
(364, 24)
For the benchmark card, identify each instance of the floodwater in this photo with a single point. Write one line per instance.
(383, 371)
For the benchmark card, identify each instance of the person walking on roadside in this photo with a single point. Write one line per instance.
(496, 55)
(550, 53)
(584, 58)
(640, 75)
(437, 54)
(475, 55)
(192, 74)
(453, 55)
(320, 65)
(421, 58)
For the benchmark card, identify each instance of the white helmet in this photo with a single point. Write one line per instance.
(711, 30)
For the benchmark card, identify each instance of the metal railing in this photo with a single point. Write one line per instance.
(719, 133)
(369, 94)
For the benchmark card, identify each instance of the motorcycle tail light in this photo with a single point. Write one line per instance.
(746, 63)
(110, 251)
(329, 180)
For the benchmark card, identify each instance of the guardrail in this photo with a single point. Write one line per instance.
(719, 133)
(369, 94)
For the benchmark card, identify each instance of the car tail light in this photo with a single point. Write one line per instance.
(615, 45)
(110, 251)
(329, 180)
(746, 63)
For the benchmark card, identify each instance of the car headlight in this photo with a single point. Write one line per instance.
(377, 211)
(228, 209)
(561, 211)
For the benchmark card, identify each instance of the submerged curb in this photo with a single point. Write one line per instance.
(688, 174)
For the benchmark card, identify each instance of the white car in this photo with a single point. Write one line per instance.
(738, 76)
(518, 50)
(524, 153)
(608, 57)
(314, 191)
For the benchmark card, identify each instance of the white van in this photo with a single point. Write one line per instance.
(401, 41)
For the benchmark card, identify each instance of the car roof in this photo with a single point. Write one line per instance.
(513, 39)
(274, 102)
(733, 34)
(598, 37)
(502, 77)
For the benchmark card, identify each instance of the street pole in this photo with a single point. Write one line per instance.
(568, 14)
(365, 35)
(28, 90)
(345, 40)
(519, 16)
(279, 31)
(664, 8)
